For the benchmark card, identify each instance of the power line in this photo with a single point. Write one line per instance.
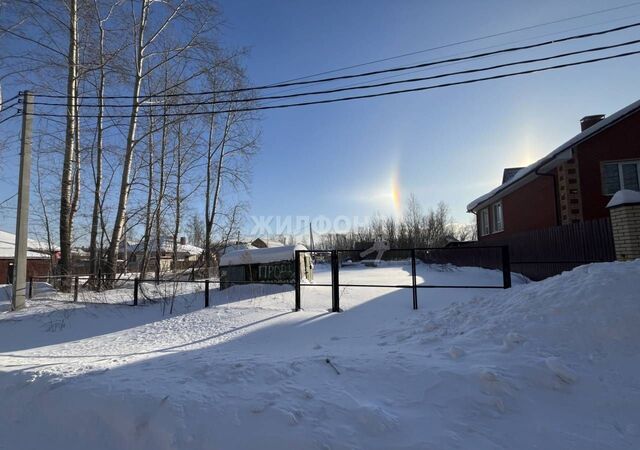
(466, 41)
(10, 117)
(366, 96)
(7, 108)
(366, 86)
(467, 52)
(8, 199)
(365, 74)
(8, 100)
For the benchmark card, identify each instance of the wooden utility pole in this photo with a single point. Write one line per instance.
(22, 220)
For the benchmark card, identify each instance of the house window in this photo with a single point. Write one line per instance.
(498, 222)
(484, 222)
(620, 175)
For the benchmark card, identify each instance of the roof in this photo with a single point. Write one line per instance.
(35, 249)
(260, 255)
(165, 246)
(235, 247)
(269, 243)
(552, 160)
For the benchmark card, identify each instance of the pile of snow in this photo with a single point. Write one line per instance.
(552, 364)
(624, 197)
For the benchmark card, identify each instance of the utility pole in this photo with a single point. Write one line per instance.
(22, 220)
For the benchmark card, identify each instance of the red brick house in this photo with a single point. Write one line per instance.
(571, 184)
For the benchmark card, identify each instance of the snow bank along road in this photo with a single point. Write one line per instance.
(548, 365)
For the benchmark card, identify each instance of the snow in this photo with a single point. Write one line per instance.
(624, 197)
(260, 255)
(8, 245)
(562, 152)
(552, 364)
(165, 246)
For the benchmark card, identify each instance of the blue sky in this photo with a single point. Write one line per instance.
(444, 145)
(450, 144)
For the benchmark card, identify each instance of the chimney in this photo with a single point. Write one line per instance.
(589, 121)
(183, 240)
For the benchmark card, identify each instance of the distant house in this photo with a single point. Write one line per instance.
(266, 243)
(571, 184)
(275, 264)
(187, 254)
(39, 258)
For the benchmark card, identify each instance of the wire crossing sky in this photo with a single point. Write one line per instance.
(356, 158)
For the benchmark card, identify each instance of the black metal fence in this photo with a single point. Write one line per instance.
(483, 256)
(494, 257)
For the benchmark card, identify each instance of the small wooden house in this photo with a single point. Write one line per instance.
(274, 264)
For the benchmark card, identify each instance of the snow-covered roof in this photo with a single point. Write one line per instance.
(268, 242)
(624, 197)
(260, 255)
(7, 247)
(553, 159)
(190, 249)
(165, 246)
(235, 247)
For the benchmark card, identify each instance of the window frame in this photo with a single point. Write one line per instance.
(485, 228)
(495, 223)
(618, 164)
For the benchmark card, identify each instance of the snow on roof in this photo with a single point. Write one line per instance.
(260, 255)
(190, 249)
(235, 247)
(7, 247)
(165, 246)
(554, 158)
(271, 243)
(624, 197)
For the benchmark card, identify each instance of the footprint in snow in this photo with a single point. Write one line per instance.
(560, 369)
(456, 352)
(511, 340)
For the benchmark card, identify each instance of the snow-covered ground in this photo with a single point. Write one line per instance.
(553, 364)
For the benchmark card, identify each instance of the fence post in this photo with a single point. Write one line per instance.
(206, 293)
(136, 282)
(75, 289)
(296, 272)
(413, 276)
(506, 267)
(30, 287)
(335, 282)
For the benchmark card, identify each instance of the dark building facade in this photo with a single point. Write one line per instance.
(573, 183)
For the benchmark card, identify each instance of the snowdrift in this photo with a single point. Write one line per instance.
(553, 364)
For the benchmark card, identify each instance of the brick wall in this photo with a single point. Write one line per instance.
(617, 143)
(625, 221)
(569, 191)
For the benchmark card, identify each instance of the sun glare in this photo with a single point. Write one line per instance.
(396, 197)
